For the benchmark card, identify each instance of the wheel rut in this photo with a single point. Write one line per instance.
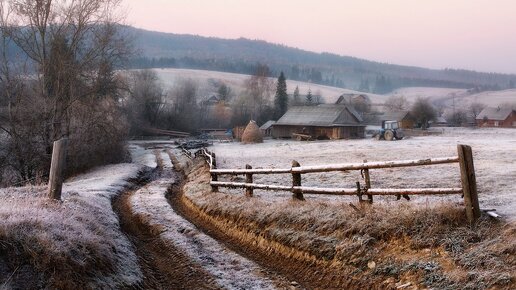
(163, 265)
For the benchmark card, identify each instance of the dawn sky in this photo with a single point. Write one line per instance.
(470, 34)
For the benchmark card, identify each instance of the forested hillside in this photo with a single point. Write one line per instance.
(159, 50)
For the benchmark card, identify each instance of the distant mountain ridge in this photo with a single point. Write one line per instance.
(159, 49)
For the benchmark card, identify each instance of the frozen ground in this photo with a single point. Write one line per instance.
(229, 270)
(82, 230)
(494, 156)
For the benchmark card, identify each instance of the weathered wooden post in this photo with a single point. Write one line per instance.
(469, 183)
(296, 181)
(368, 183)
(248, 179)
(55, 181)
(214, 177)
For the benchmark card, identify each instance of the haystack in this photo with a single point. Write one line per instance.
(252, 134)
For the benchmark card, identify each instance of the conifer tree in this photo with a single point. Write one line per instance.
(295, 96)
(281, 97)
(309, 98)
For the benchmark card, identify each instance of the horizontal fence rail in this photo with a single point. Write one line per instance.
(464, 158)
(338, 167)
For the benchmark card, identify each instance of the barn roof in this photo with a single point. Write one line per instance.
(395, 116)
(267, 125)
(498, 114)
(324, 115)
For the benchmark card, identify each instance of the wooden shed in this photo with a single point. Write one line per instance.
(320, 122)
(497, 117)
(403, 117)
(267, 128)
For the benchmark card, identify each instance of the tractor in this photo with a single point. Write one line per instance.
(390, 131)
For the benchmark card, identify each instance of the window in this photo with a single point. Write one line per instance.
(496, 123)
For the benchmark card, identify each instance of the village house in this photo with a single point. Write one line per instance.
(320, 122)
(497, 117)
(404, 118)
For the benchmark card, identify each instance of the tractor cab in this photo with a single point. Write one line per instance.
(390, 131)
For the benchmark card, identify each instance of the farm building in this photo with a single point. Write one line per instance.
(353, 98)
(267, 128)
(403, 117)
(497, 117)
(320, 122)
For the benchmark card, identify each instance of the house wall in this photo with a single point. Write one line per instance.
(510, 122)
(285, 131)
(407, 124)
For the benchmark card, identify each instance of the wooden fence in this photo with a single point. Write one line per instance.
(464, 158)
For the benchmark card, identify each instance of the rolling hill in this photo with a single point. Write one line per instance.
(167, 50)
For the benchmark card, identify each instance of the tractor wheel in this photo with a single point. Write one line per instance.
(377, 137)
(389, 135)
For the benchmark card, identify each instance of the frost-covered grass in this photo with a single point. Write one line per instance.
(73, 244)
(494, 152)
(429, 246)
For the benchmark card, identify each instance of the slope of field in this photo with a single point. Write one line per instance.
(446, 96)
(207, 80)
(494, 154)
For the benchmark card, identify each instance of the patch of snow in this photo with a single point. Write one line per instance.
(141, 155)
(230, 270)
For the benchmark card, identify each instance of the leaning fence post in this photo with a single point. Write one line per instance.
(55, 181)
(296, 182)
(214, 177)
(249, 180)
(368, 183)
(469, 183)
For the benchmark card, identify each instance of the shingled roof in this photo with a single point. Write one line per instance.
(498, 114)
(395, 116)
(324, 116)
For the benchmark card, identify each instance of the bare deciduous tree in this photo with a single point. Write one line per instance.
(396, 103)
(66, 55)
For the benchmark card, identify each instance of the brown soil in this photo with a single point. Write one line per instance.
(303, 274)
(163, 266)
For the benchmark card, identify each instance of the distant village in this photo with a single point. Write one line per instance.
(351, 117)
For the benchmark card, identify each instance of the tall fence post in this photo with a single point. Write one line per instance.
(248, 179)
(296, 181)
(368, 183)
(214, 176)
(469, 183)
(55, 181)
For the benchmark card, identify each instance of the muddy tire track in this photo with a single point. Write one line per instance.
(163, 266)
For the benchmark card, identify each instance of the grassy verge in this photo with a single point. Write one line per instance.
(383, 246)
(71, 244)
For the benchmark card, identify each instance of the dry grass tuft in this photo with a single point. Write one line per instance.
(252, 134)
(73, 244)
(429, 246)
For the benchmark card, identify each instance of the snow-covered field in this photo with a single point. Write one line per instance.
(494, 156)
(169, 77)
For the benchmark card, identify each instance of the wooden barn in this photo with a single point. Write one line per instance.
(403, 117)
(267, 128)
(320, 122)
(497, 117)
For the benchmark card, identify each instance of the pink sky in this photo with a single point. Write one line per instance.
(470, 34)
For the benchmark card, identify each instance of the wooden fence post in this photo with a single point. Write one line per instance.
(55, 181)
(248, 179)
(469, 183)
(368, 183)
(296, 181)
(214, 176)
